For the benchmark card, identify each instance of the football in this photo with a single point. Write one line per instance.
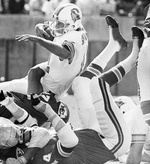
(50, 37)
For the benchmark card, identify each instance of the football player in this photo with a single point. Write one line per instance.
(67, 44)
(138, 128)
(19, 109)
(143, 68)
(15, 139)
(91, 145)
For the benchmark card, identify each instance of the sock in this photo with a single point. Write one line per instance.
(114, 75)
(56, 121)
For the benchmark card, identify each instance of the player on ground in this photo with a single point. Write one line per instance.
(21, 111)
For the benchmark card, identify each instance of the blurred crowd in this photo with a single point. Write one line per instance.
(89, 7)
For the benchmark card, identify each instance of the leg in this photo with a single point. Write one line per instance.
(17, 85)
(115, 44)
(81, 84)
(115, 74)
(110, 119)
(34, 77)
(22, 116)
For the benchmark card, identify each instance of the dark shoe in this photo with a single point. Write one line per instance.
(138, 33)
(111, 22)
(115, 32)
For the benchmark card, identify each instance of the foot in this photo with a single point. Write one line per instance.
(115, 32)
(138, 33)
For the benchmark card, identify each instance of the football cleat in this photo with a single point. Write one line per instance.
(111, 22)
(115, 32)
(138, 33)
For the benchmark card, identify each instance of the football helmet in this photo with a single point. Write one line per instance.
(9, 134)
(125, 103)
(67, 17)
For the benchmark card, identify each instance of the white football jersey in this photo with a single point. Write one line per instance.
(60, 73)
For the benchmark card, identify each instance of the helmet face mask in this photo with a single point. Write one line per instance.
(9, 136)
(67, 17)
(58, 27)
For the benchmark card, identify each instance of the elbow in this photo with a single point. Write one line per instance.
(67, 137)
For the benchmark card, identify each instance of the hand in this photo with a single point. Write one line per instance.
(2, 96)
(27, 37)
(12, 161)
(34, 98)
(40, 30)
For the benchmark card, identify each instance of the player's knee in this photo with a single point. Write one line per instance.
(35, 73)
(79, 83)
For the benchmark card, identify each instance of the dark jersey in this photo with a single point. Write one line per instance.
(90, 150)
(22, 101)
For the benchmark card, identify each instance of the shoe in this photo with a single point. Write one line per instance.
(111, 22)
(138, 33)
(115, 32)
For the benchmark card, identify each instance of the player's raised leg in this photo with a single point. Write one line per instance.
(81, 83)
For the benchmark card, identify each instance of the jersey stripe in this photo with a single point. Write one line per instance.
(112, 116)
(138, 138)
(60, 150)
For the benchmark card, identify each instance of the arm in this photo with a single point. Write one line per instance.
(67, 138)
(60, 51)
(135, 153)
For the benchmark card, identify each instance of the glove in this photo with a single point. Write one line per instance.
(2, 96)
(49, 98)
(12, 161)
(34, 98)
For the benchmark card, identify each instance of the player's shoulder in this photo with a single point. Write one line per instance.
(76, 35)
